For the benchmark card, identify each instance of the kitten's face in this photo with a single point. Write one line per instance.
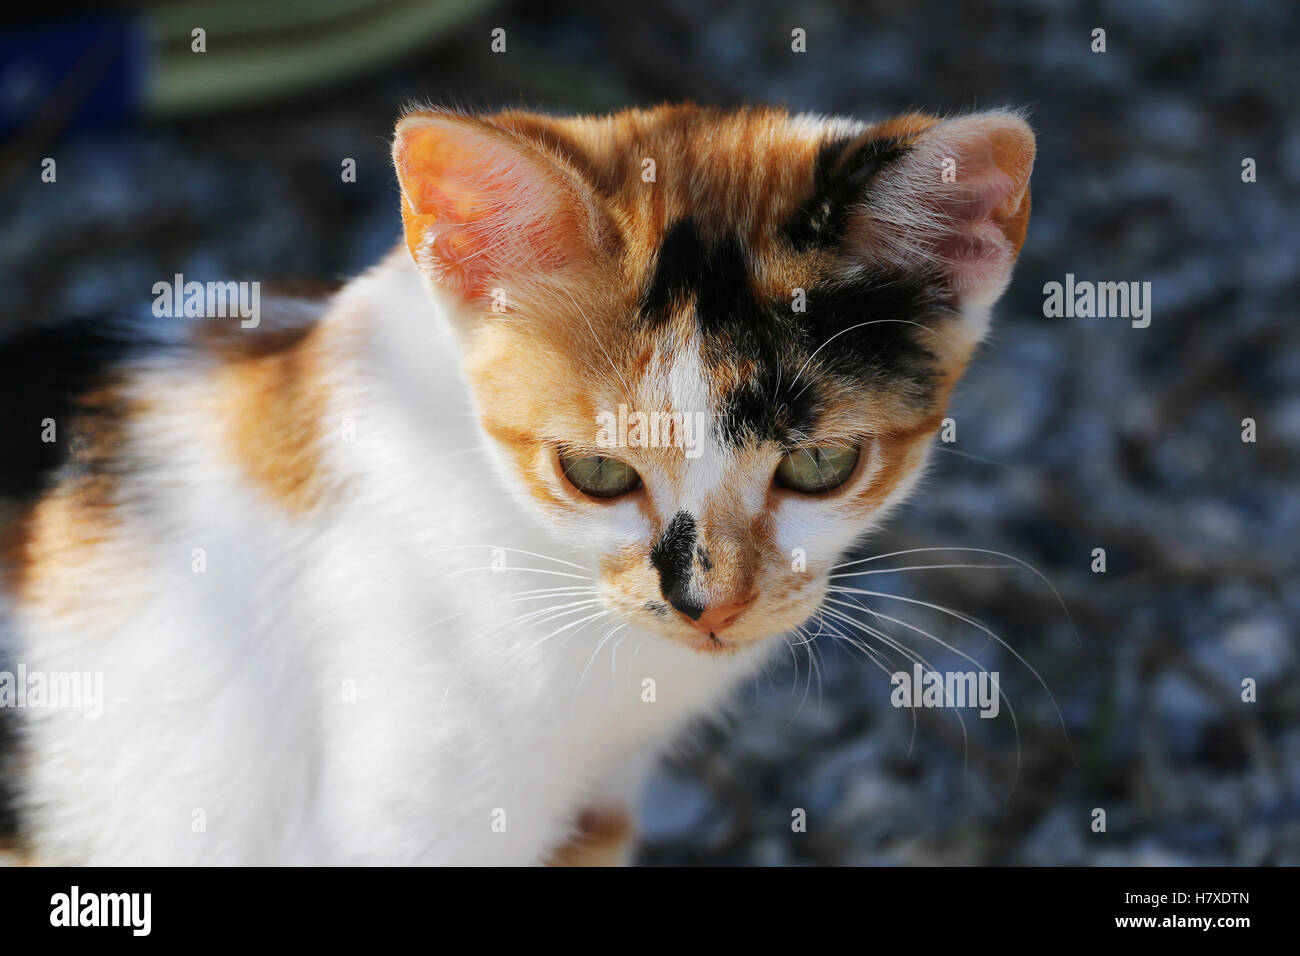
(712, 348)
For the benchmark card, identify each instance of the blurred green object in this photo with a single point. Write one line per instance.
(259, 51)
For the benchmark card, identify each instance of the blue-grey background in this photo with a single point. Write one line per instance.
(1072, 434)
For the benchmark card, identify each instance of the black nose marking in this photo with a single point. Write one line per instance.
(672, 556)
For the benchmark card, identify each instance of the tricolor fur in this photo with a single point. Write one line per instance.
(310, 558)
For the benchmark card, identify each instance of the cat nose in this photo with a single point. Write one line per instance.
(718, 617)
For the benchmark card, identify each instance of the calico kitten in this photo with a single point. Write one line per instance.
(430, 571)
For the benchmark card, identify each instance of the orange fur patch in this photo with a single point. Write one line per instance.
(63, 537)
(272, 387)
(602, 837)
(273, 413)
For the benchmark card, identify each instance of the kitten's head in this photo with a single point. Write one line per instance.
(712, 347)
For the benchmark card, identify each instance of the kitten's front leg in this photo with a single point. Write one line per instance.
(604, 826)
(603, 836)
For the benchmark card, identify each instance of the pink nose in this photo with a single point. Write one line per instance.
(721, 616)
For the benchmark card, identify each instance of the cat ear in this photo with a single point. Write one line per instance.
(481, 208)
(955, 197)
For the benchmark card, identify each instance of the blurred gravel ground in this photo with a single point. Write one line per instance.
(1073, 434)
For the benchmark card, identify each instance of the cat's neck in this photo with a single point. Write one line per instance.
(400, 423)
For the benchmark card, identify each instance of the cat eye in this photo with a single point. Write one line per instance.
(599, 476)
(815, 469)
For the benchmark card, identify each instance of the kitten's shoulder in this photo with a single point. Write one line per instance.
(70, 390)
(63, 385)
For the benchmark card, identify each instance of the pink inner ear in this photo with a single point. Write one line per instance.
(972, 227)
(972, 242)
(977, 256)
(478, 210)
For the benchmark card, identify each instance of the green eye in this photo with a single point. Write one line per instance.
(599, 476)
(814, 469)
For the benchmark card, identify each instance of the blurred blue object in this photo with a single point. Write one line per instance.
(80, 73)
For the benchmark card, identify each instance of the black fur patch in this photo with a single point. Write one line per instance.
(657, 608)
(687, 265)
(780, 395)
(714, 276)
(842, 176)
(672, 557)
(891, 349)
(44, 373)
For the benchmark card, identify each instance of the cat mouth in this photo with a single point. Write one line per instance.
(733, 640)
(727, 640)
(713, 644)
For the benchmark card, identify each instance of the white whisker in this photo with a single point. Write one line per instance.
(919, 567)
(974, 623)
(915, 657)
(997, 554)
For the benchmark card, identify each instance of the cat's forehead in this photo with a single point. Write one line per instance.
(715, 340)
(745, 171)
(709, 143)
(772, 344)
(733, 262)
